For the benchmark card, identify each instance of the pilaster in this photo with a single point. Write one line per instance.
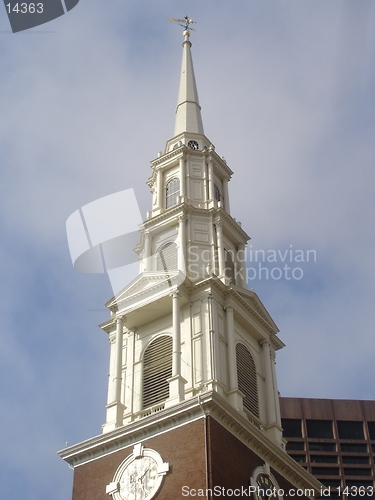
(115, 408)
(176, 382)
(220, 248)
(272, 427)
(182, 243)
(235, 396)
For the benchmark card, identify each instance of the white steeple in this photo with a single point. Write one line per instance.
(188, 111)
(187, 325)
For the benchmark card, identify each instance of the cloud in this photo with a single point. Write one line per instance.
(286, 95)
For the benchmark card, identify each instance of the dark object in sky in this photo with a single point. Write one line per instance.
(26, 14)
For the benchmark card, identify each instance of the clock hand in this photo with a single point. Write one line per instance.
(143, 475)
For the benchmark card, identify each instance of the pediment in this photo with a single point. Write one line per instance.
(146, 284)
(253, 301)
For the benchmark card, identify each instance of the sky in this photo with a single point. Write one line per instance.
(88, 100)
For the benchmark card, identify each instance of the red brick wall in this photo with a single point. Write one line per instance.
(183, 448)
(231, 463)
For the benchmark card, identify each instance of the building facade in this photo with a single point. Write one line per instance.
(192, 399)
(334, 440)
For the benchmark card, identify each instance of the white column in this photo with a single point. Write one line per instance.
(129, 382)
(205, 184)
(118, 365)
(182, 244)
(210, 179)
(270, 395)
(115, 408)
(111, 375)
(232, 365)
(147, 252)
(182, 177)
(176, 382)
(159, 189)
(226, 196)
(241, 266)
(235, 396)
(273, 427)
(276, 391)
(176, 361)
(220, 248)
(207, 328)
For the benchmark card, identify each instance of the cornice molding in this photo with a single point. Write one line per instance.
(166, 157)
(209, 403)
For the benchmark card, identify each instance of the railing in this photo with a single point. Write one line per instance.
(150, 410)
(253, 419)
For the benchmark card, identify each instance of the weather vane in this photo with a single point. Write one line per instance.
(185, 22)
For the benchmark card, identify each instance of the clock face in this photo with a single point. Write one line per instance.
(266, 490)
(264, 484)
(140, 479)
(139, 476)
(193, 145)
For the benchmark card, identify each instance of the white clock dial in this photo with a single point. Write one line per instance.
(139, 476)
(139, 479)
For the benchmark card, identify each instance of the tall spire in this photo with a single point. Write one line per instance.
(188, 111)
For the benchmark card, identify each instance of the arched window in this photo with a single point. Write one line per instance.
(217, 193)
(247, 379)
(167, 258)
(157, 368)
(172, 191)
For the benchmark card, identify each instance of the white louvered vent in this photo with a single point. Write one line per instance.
(157, 368)
(247, 379)
(167, 258)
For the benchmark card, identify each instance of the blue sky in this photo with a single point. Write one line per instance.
(287, 95)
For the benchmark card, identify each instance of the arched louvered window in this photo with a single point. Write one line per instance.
(229, 266)
(167, 258)
(157, 368)
(247, 379)
(172, 191)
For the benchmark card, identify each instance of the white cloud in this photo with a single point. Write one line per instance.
(286, 97)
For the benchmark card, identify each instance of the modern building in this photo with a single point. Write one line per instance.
(334, 440)
(193, 406)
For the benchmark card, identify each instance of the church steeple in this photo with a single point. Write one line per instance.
(192, 351)
(188, 111)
